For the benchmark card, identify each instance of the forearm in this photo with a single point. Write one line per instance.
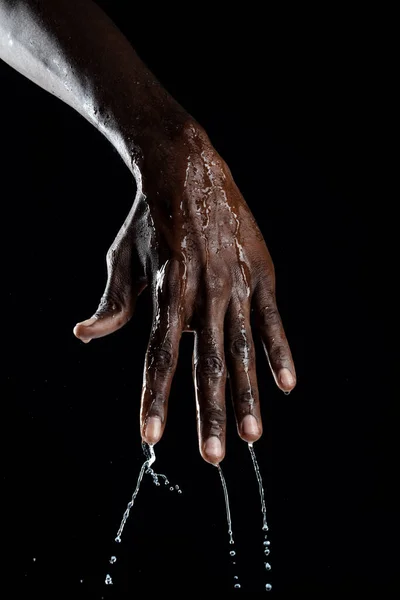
(73, 50)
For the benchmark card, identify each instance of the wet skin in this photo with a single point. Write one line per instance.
(190, 236)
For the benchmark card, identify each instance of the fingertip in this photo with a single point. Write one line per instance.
(212, 450)
(79, 331)
(250, 429)
(152, 430)
(286, 380)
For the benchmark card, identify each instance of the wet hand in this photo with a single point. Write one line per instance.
(191, 238)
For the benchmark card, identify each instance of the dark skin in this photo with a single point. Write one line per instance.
(190, 236)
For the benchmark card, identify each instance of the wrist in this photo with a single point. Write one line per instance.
(136, 128)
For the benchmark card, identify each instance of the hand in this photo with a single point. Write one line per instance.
(192, 238)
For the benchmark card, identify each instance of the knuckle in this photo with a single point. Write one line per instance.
(242, 348)
(211, 366)
(269, 315)
(162, 358)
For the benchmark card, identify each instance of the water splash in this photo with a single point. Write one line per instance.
(145, 466)
(148, 450)
(146, 469)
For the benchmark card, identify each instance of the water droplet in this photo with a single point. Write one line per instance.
(81, 581)
(268, 587)
(179, 491)
(166, 482)
(265, 528)
(236, 577)
(118, 539)
(268, 566)
(267, 543)
(113, 559)
(108, 580)
(171, 488)
(177, 487)
(237, 586)
(231, 541)
(286, 393)
(267, 551)
(34, 559)
(232, 553)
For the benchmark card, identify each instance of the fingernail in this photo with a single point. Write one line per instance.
(213, 448)
(286, 379)
(250, 426)
(153, 430)
(88, 322)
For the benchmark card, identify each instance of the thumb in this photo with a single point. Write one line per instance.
(117, 304)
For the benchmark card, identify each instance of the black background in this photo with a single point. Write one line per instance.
(299, 108)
